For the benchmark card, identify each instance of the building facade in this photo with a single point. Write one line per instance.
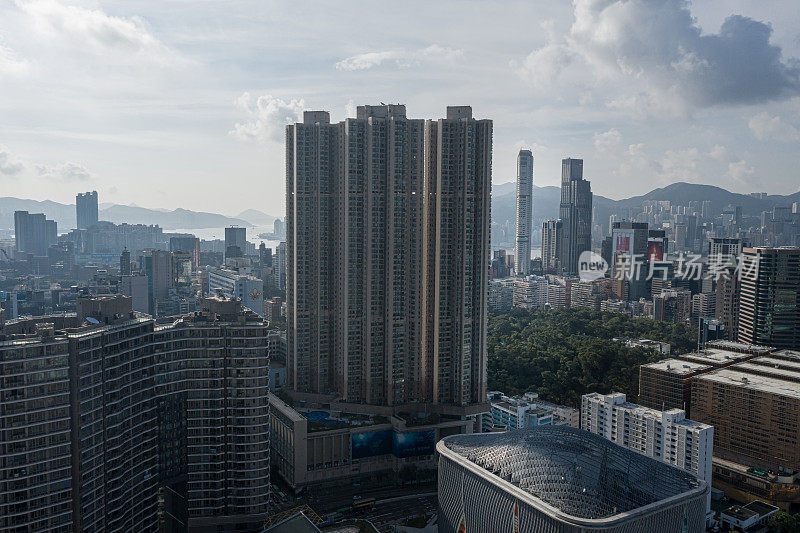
(387, 256)
(575, 213)
(123, 409)
(231, 284)
(769, 302)
(522, 248)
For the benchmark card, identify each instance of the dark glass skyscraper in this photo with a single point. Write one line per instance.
(575, 213)
(769, 297)
(86, 209)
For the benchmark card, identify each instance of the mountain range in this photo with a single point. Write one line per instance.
(546, 201)
(64, 215)
(545, 206)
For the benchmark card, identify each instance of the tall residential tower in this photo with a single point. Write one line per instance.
(387, 222)
(86, 210)
(522, 253)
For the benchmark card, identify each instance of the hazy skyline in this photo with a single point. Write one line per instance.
(182, 104)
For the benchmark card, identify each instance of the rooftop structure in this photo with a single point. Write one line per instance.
(558, 478)
(719, 358)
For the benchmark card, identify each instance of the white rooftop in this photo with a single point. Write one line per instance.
(678, 366)
(746, 380)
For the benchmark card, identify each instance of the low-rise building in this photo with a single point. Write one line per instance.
(501, 294)
(314, 444)
(232, 284)
(516, 412)
(530, 292)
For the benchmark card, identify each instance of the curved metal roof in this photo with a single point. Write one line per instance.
(576, 472)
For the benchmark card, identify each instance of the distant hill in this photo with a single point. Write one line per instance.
(177, 218)
(64, 215)
(256, 217)
(545, 206)
(546, 200)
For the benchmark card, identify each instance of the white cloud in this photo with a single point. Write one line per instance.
(401, 58)
(366, 60)
(718, 153)
(267, 117)
(656, 58)
(10, 164)
(68, 171)
(541, 68)
(608, 140)
(10, 65)
(92, 30)
(741, 172)
(766, 127)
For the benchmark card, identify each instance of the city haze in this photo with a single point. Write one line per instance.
(184, 104)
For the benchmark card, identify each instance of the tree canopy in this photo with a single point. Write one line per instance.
(565, 353)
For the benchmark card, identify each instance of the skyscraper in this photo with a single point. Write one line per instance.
(86, 209)
(386, 255)
(769, 297)
(125, 263)
(235, 241)
(551, 242)
(158, 266)
(33, 233)
(575, 212)
(524, 212)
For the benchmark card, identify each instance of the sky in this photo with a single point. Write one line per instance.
(171, 104)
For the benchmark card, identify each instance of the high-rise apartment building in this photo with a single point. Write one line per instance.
(34, 233)
(387, 256)
(235, 241)
(769, 301)
(575, 212)
(111, 423)
(551, 245)
(522, 248)
(86, 209)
